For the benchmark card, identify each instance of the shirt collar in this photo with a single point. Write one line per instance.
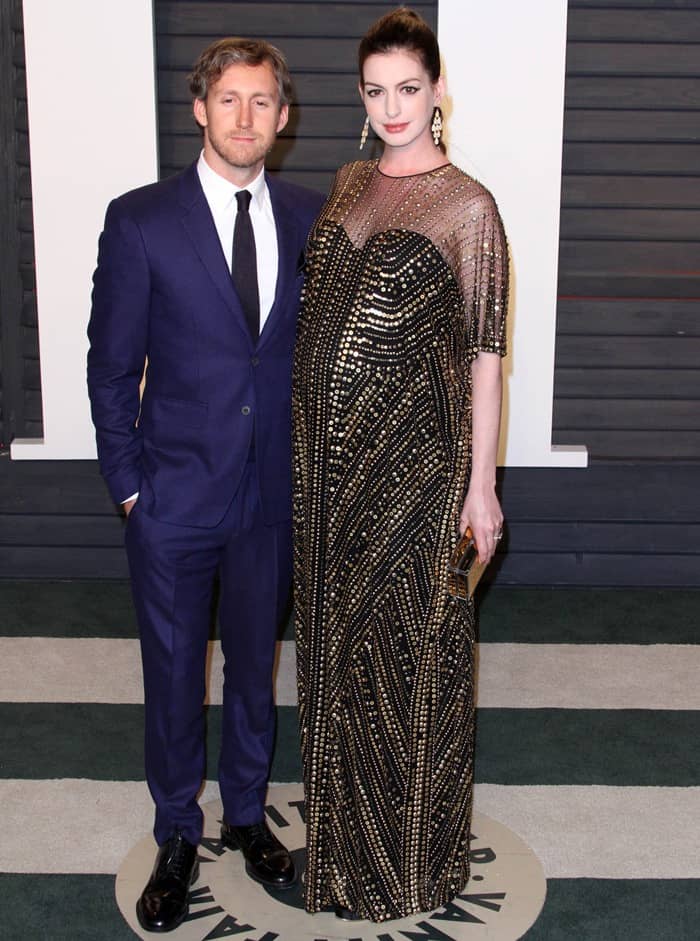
(220, 192)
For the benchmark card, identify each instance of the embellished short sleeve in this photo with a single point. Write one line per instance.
(482, 272)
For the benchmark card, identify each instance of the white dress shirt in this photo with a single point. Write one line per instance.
(221, 197)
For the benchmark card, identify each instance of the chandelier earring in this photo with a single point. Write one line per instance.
(365, 132)
(436, 126)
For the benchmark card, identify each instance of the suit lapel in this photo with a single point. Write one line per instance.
(199, 225)
(287, 251)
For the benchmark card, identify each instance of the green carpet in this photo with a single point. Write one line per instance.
(514, 746)
(82, 908)
(506, 615)
(619, 910)
(558, 748)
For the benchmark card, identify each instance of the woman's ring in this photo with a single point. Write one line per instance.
(499, 535)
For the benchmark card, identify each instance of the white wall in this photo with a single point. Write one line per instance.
(504, 65)
(91, 89)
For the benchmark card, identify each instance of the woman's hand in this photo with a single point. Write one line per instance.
(482, 513)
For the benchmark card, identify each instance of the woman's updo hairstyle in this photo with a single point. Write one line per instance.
(402, 29)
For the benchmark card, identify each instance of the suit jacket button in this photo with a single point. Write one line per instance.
(255, 361)
(245, 410)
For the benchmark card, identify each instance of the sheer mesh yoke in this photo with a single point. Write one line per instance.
(451, 210)
(406, 283)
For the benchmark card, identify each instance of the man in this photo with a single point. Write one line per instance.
(200, 275)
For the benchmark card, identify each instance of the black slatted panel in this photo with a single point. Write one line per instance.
(20, 387)
(609, 525)
(320, 42)
(628, 335)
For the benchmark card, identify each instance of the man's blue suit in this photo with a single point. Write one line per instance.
(210, 497)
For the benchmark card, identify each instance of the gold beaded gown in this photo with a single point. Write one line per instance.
(406, 283)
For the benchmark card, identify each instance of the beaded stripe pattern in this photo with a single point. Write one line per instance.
(406, 283)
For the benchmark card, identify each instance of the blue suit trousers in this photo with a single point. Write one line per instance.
(173, 569)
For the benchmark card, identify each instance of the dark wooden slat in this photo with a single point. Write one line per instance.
(630, 257)
(32, 374)
(627, 383)
(615, 570)
(39, 530)
(32, 404)
(46, 487)
(679, 225)
(33, 429)
(29, 311)
(56, 530)
(10, 283)
(326, 154)
(309, 88)
(60, 562)
(18, 56)
(24, 183)
(631, 159)
(636, 4)
(627, 58)
(586, 316)
(180, 52)
(26, 271)
(633, 414)
(629, 493)
(22, 148)
(588, 124)
(272, 20)
(629, 352)
(518, 569)
(318, 180)
(662, 25)
(26, 248)
(19, 87)
(619, 284)
(632, 92)
(631, 445)
(25, 219)
(308, 121)
(634, 192)
(21, 117)
(593, 537)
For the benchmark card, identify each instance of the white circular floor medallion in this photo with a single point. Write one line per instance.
(502, 900)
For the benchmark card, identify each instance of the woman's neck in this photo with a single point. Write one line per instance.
(398, 161)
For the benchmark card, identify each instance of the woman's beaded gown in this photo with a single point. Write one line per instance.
(406, 284)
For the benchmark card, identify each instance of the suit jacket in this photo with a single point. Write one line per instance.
(162, 290)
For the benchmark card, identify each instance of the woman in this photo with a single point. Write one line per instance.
(396, 404)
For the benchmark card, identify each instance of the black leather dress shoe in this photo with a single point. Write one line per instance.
(346, 914)
(266, 860)
(163, 904)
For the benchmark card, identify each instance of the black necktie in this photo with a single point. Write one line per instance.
(244, 270)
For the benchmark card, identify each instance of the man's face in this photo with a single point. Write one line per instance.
(241, 118)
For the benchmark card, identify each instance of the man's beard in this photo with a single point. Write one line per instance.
(240, 156)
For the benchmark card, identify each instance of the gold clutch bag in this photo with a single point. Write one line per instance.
(464, 569)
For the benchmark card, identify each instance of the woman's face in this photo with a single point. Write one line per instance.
(399, 97)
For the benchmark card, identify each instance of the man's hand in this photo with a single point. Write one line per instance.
(129, 505)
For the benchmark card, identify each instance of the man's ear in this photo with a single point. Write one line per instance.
(283, 118)
(199, 108)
